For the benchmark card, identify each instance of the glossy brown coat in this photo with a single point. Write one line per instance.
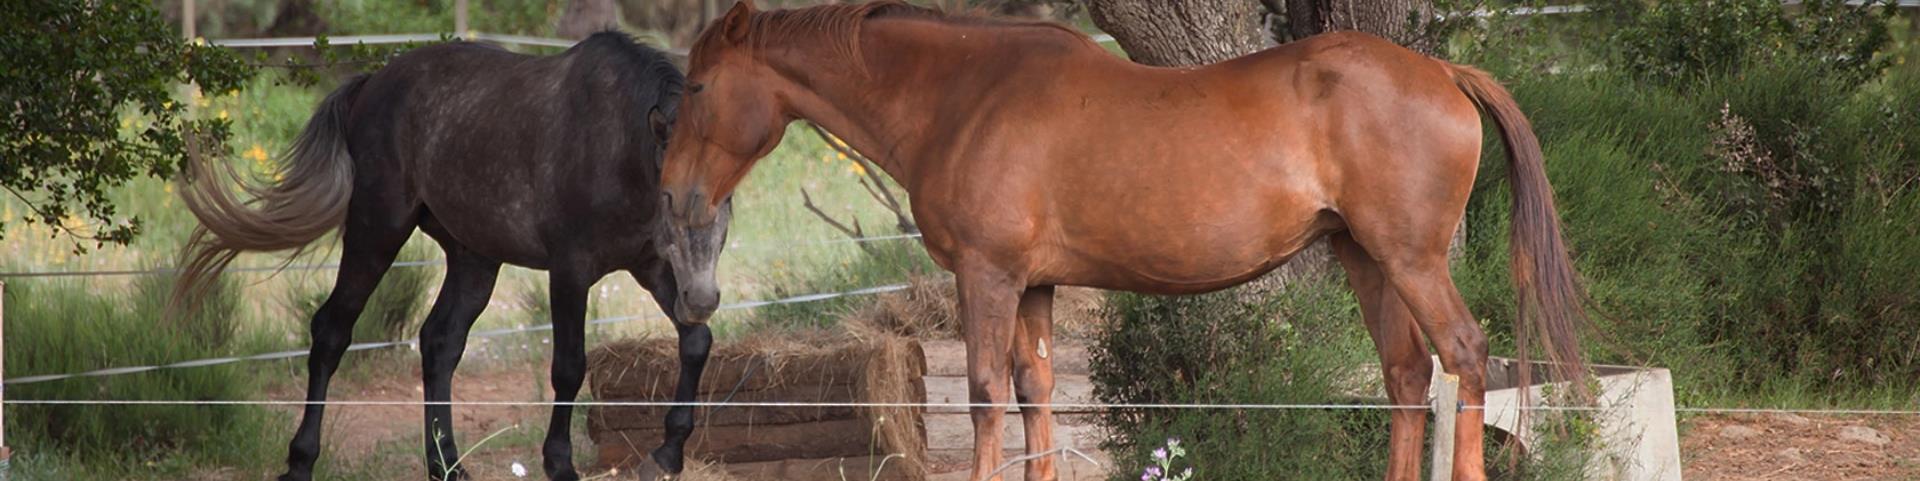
(1034, 158)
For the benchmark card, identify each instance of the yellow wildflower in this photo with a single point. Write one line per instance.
(223, 114)
(256, 153)
(168, 187)
(841, 155)
(858, 169)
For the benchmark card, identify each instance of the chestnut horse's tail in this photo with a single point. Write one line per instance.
(1544, 283)
(308, 200)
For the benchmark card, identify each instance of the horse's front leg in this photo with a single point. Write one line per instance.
(988, 300)
(569, 291)
(695, 341)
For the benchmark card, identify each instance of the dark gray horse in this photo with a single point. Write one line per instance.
(545, 162)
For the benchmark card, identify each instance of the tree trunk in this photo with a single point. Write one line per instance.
(586, 17)
(296, 18)
(1194, 32)
(1393, 19)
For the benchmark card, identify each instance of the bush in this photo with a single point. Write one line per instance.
(1299, 345)
(1742, 223)
(1303, 343)
(1675, 43)
(63, 327)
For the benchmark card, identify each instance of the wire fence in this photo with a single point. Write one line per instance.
(422, 263)
(1058, 408)
(288, 354)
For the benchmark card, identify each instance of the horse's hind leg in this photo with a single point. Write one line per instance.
(1403, 355)
(1421, 278)
(568, 286)
(443, 339)
(371, 241)
(1033, 377)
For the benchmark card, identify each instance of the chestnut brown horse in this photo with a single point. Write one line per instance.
(1035, 159)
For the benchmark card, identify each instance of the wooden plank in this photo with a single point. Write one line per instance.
(862, 468)
(655, 378)
(650, 417)
(743, 444)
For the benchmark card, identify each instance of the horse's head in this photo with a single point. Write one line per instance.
(727, 119)
(693, 250)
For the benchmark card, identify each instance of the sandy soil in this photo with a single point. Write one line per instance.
(1793, 447)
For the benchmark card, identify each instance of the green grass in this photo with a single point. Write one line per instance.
(60, 327)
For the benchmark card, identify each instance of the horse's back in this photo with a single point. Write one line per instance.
(504, 148)
(1253, 157)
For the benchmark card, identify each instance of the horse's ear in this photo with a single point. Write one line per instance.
(734, 25)
(658, 121)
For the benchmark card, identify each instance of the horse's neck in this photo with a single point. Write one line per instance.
(880, 106)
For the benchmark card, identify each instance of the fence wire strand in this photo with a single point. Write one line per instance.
(1059, 408)
(415, 341)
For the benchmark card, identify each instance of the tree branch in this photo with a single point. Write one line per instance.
(878, 189)
(853, 232)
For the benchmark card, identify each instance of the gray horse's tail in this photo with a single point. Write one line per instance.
(307, 200)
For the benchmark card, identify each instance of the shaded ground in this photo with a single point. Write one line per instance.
(1793, 447)
(383, 442)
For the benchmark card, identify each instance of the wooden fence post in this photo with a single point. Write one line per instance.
(186, 19)
(459, 19)
(6, 453)
(1446, 410)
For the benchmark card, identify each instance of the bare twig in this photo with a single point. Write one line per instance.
(1051, 452)
(854, 231)
(875, 185)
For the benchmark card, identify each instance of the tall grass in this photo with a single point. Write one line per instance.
(62, 327)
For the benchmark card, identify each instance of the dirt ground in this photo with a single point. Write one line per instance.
(1792, 447)
(383, 441)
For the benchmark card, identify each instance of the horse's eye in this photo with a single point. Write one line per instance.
(695, 88)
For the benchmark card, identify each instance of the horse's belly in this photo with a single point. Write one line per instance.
(1194, 253)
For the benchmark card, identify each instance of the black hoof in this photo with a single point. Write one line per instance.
(457, 474)
(670, 462)
(651, 472)
(290, 476)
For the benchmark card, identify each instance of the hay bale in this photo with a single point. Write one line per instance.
(855, 366)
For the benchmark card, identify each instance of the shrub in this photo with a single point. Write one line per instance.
(1675, 43)
(1298, 345)
(1302, 343)
(1741, 225)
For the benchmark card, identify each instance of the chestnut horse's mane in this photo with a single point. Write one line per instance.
(840, 24)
